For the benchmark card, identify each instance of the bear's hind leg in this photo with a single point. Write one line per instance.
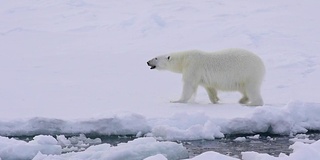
(244, 99)
(254, 96)
(212, 95)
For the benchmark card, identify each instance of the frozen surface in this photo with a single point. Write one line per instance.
(87, 59)
(115, 125)
(79, 67)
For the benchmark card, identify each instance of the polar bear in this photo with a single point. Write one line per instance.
(225, 70)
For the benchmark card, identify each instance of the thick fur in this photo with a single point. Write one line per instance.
(226, 70)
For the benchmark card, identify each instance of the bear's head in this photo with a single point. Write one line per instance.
(160, 62)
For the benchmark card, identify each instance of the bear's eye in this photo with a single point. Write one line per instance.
(156, 58)
(168, 57)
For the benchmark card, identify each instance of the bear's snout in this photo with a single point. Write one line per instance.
(149, 64)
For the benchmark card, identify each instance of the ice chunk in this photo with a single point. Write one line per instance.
(196, 126)
(16, 149)
(137, 149)
(302, 138)
(213, 155)
(257, 136)
(63, 141)
(156, 157)
(240, 139)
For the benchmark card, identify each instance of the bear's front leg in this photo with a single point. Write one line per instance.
(188, 90)
(212, 95)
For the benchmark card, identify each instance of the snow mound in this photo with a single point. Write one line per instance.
(12, 149)
(156, 157)
(128, 124)
(212, 155)
(207, 130)
(295, 117)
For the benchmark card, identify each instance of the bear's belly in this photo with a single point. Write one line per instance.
(223, 84)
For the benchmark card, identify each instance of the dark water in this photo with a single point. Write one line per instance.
(270, 144)
(227, 146)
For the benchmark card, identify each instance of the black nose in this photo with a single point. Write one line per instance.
(148, 63)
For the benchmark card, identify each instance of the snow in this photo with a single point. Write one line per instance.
(79, 67)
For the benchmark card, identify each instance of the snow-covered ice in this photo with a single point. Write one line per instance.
(17, 149)
(212, 155)
(240, 139)
(257, 136)
(133, 150)
(122, 124)
(296, 117)
(79, 67)
(47, 147)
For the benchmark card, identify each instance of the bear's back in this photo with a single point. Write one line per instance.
(226, 67)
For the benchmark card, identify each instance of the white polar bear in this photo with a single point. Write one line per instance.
(226, 70)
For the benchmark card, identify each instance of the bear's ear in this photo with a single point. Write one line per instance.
(168, 57)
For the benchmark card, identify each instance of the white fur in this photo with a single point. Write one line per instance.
(226, 70)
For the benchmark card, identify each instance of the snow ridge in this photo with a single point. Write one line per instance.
(117, 125)
(296, 117)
